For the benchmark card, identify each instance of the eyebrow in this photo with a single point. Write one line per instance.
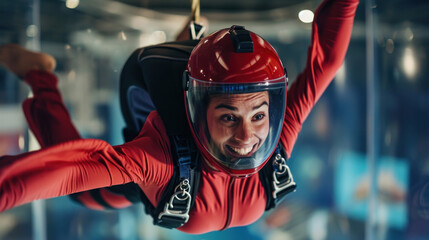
(232, 108)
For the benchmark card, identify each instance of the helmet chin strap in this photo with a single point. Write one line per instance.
(240, 160)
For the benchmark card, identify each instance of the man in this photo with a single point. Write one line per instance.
(237, 112)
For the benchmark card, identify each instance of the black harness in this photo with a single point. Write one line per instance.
(151, 80)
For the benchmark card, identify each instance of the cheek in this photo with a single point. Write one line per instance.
(210, 122)
(213, 127)
(263, 129)
(218, 132)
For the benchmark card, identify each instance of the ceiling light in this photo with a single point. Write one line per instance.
(409, 63)
(72, 4)
(306, 16)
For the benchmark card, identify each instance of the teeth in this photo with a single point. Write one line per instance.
(242, 151)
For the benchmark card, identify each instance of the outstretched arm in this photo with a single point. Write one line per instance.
(85, 164)
(332, 28)
(60, 170)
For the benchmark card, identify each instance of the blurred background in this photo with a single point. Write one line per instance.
(361, 162)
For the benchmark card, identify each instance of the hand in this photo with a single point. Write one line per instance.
(20, 60)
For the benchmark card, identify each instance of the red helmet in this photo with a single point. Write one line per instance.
(235, 98)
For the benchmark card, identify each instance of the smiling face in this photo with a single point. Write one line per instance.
(239, 123)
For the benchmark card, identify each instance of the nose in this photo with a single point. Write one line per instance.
(244, 132)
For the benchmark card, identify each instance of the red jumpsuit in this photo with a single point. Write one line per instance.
(68, 164)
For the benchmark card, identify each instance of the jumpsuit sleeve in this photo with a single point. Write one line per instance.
(331, 32)
(45, 111)
(82, 165)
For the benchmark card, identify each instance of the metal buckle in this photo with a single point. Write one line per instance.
(181, 193)
(197, 30)
(280, 169)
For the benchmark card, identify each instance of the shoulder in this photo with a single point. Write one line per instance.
(150, 150)
(154, 127)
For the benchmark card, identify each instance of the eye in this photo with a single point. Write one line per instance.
(258, 117)
(228, 118)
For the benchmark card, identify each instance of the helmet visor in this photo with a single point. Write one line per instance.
(237, 125)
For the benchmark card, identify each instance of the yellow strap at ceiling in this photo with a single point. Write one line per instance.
(196, 10)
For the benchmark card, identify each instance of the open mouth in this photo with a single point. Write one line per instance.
(240, 152)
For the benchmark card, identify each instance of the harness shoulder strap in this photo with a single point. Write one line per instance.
(179, 196)
(276, 178)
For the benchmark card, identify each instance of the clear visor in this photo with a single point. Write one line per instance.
(238, 125)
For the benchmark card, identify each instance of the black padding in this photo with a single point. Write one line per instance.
(158, 69)
(130, 75)
(130, 191)
(140, 105)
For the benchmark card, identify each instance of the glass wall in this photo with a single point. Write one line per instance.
(361, 161)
